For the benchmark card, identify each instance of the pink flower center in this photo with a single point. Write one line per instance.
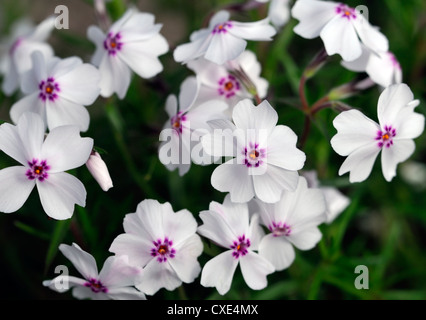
(176, 121)
(240, 247)
(163, 250)
(346, 12)
(96, 286)
(37, 170)
(112, 43)
(222, 27)
(385, 137)
(228, 86)
(279, 229)
(254, 155)
(48, 89)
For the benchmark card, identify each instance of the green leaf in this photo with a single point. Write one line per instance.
(31, 230)
(59, 233)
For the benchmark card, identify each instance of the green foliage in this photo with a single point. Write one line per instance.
(384, 227)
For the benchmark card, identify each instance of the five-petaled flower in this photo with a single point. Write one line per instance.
(163, 242)
(292, 221)
(265, 158)
(187, 122)
(25, 40)
(43, 162)
(115, 281)
(132, 43)
(223, 40)
(361, 139)
(341, 28)
(228, 225)
(58, 90)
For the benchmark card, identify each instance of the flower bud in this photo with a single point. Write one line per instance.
(99, 171)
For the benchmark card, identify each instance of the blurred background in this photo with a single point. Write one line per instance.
(384, 227)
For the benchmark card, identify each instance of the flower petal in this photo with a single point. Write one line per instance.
(247, 116)
(62, 112)
(82, 261)
(81, 85)
(270, 185)
(179, 225)
(370, 35)
(15, 188)
(313, 16)
(185, 263)
(31, 130)
(30, 103)
(61, 284)
(255, 268)
(354, 130)
(219, 271)
(96, 35)
(360, 162)
(141, 56)
(125, 293)
(305, 239)
(258, 30)
(391, 101)
(64, 149)
(191, 50)
(11, 143)
(116, 272)
(277, 250)
(59, 193)
(400, 151)
(282, 151)
(136, 246)
(339, 37)
(224, 47)
(235, 179)
(158, 275)
(115, 76)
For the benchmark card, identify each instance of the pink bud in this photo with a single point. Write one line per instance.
(99, 171)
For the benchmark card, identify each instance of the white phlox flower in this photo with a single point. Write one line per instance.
(223, 40)
(335, 201)
(187, 122)
(132, 43)
(278, 12)
(115, 281)
(293, 222)
(341, 28)
(58, 90)
(360, 139)
(220, 82)
(264, 160)
(382, 67)
(42, 164)
(228, 226)
(24, 41)
(163, 242)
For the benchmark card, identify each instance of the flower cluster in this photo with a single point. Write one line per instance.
(223, 115)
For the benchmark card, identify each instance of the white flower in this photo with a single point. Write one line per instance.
(99, 171)
(132, 43)
(335, 201)
(187, 122)
(163, 242)
(218, 82)
(58, 89)
(223, 40)
(265, 158)
(382, 67)
(228, 226)
(341, 28)
(42, 164)
(114, 281)
(292, 221)
(362, 139)
(278, 12)
(24, 41)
